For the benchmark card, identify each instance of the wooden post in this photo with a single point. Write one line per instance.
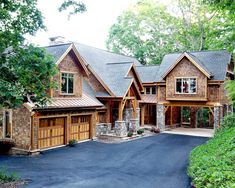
(120, 110)
(171, 123)
(142, 114)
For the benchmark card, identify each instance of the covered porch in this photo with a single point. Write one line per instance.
(189, 115)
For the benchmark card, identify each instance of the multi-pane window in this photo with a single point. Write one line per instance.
(150, 90)
(67, 83)
(186, 85)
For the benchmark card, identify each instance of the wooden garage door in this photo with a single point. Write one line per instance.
(51, 132)
(80, 127)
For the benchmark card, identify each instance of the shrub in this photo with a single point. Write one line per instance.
(6, 176)
(130, 134)
(140, 131)
(213, 164)
(72, 142)
(6, 145)
(155, 130)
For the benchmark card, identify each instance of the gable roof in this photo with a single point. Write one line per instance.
(148, 74)
(195, 61)
(60, 51)
(213, 62)
(109, 68)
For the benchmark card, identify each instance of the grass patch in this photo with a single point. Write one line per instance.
(7, 176)
(213, 164)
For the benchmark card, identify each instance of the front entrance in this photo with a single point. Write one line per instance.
(51, 132)
(80, 127)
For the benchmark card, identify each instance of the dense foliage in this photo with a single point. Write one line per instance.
(149, 30)
(25, 71)
(213, 164)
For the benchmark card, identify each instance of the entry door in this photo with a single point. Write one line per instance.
(51, 132)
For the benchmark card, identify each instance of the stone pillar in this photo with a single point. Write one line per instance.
(138, 116)
(127, 116)
(218, 116)
(134, 125)
(160, 117)
(120, 128)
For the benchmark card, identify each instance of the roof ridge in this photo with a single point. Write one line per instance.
(106, 50)
(148, 65)
(119, 63)
(54, 45)
(195, 51)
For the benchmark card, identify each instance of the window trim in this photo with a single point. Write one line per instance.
(65, 72)
(187, 77)
(4, 123)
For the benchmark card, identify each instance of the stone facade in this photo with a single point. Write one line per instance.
(120, 128)
(103, 129)
(160, 117)
(20, 120)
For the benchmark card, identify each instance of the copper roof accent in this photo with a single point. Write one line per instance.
(84, 101)
(149, 99)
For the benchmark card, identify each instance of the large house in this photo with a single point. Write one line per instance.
(100, 89)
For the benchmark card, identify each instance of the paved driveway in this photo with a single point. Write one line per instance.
(159, 161)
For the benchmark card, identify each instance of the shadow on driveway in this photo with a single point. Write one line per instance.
(154, 162)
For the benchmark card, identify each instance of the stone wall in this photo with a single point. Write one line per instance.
(103, 128)
(218, 116)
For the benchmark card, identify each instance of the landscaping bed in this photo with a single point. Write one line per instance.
(213, 164)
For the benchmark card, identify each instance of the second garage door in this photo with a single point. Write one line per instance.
(80, 127)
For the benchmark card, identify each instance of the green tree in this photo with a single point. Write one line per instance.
(146, 31)
(149, 30)
(25, 71)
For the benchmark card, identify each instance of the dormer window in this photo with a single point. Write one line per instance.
(186, 85)
(150, 90)
(67, 83)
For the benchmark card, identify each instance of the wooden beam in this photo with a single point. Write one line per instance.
(166, 108)
(142, 114)
(171, 123)
(120, 110)
(211, 111)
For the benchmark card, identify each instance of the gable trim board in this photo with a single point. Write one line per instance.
(136, 87)
(78, 56)
(191, 59)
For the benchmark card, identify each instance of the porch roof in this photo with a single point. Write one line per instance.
(150, 99)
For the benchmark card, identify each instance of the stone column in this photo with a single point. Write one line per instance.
(218, 116)
(134, 125)
(138, 117)
(160, 117)
(120, 128)
(127, 116)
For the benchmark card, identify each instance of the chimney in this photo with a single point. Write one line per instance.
(57, 40)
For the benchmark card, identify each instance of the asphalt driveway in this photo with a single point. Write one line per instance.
(159, 161)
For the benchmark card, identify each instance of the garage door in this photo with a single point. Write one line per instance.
(80, 127)
(51, 132)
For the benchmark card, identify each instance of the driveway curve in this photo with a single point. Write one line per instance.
(153, 162)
